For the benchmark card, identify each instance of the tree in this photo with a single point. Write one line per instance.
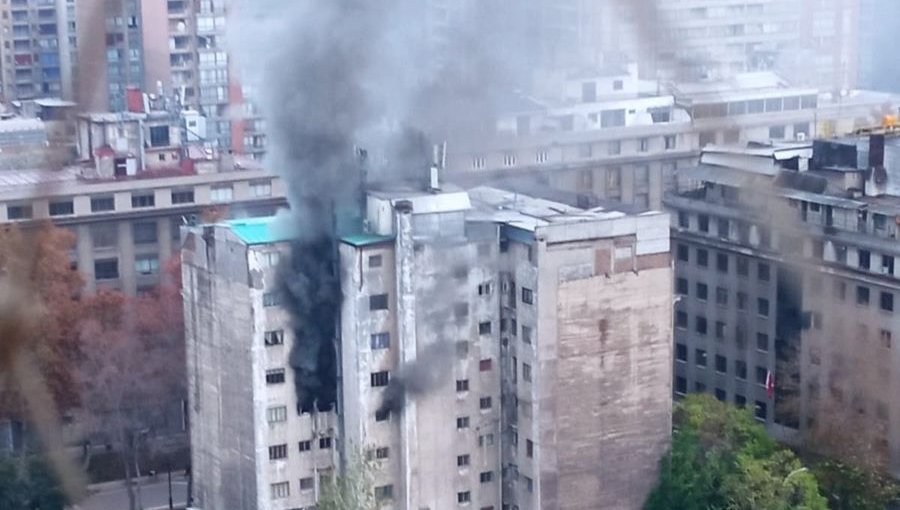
(132, 365)
(722, 459)
(29, 484)
(352, 490)
(853, 488)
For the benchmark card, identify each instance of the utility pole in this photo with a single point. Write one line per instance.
(169, 474)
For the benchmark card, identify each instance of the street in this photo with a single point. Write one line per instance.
(154, 495)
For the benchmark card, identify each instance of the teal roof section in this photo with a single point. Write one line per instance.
(363, 240)
(254, 231)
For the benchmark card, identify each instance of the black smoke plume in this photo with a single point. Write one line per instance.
(333, 76)
(427, 372)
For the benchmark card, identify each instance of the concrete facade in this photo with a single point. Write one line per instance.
(777, 278)
(250, 448)
(517, 308)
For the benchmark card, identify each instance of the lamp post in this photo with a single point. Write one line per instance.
(169, 474)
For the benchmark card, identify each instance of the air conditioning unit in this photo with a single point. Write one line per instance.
(801, 137)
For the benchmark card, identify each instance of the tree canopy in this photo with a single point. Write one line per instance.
(721, 459)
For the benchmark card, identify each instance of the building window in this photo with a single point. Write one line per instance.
(479, 162)
(486, 476)
(273, 337)
(527, 334)
(722, 262)
(462, 385)
(681, 352)
(384, 492)
(378, 302)
(462, 422)
(104, 235)
(221, 194)
(776, 132)
(144, 200)
(762, 342)
(463, 497)
(275, 376)
(278, 452)
(763, 272)
(721, 364)
(382, 415)
(307, 484)
(183, 197)
(681, 286)
(762, 307)
(702, 291)
(19, 212)
(865, 259)
(526, 372)
(680, 385)
(325, 443)
(720, 330)
(305, 446)
(701, 325)
(486, 440)
(681, 319)
(146, 264)
(106, 269)
(683, 253)
(64, 208)
(380, 379)
(484, 328)
(145, 232)
(529, 448)
(742, 300)
(375, 261)
(280, 490)
(614, 147)
(743, 266)
(485, 403)
(529, 484)
(723, 229)
(509, 160)
(541, 156)
(761, 375)
(380, 341)
(761, 411)
(684, 220)
(702, 257)
(276, 414)
(643, 144)
(886, 338)
(721, 296)
(261, 188)
(721, 395)
(527, 296)
(700, 358)
(887, 301)
(740, 369)
(159, 136)
(671, 142)
(271, 299)
(887, 264)
(703, 223)
(862, 295)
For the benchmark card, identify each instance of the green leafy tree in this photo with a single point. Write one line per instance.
(721, 459)
(352, 490)
(29, 484)
(854, 488)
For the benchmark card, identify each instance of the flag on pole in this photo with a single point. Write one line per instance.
(770, 384)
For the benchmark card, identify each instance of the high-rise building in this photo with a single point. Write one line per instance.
(877, 70)
(785, 268)
(36, 49)
(494, 349)
(110, 53)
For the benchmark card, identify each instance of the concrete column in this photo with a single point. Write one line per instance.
(406, 331)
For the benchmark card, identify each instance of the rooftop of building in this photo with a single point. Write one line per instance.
(256, 231)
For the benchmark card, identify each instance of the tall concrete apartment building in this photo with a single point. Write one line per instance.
(36, 49)
(250, 449)
(532, 339)
(785, 266)
(876, 68)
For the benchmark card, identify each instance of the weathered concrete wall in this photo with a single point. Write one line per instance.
(604, 374)
(218, 324)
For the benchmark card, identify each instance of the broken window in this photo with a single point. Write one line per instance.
(527, 296)
(275, 376)
(274, 337)
(380, 379)
(378, 302)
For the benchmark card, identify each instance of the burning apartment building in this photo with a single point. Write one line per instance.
(494, 349)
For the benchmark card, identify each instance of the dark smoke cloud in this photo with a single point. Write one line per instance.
(333, 76)
(427, 372)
